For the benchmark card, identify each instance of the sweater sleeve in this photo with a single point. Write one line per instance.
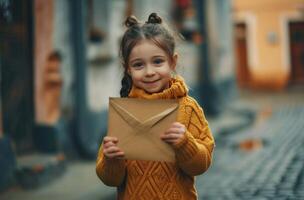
(110, 171)
(194, 152)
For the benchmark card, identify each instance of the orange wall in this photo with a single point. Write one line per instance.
(43, 46)
(269, 70)
(261, 5)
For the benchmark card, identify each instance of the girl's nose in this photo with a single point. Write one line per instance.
(149, 71)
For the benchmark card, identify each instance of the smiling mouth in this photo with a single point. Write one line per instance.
(151, 82)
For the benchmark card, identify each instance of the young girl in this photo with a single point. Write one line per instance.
(149, 58)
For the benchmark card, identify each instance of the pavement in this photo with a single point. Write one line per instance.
(254, 159)
(78, 182)
(265, 160)
(270, 166)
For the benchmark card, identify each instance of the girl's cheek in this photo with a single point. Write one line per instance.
(135, 76)
(166, 71)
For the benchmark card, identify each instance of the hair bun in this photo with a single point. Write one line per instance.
(154, 19)
(131, 21)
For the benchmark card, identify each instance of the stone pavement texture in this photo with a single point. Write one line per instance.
(79, 182)
(274, 170)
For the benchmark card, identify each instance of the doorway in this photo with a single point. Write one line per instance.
(241, 53)
(17, 73)
(296, 36)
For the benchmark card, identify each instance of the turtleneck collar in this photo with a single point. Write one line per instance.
(177, 89)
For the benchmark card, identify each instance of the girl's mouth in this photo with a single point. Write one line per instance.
(151, 82)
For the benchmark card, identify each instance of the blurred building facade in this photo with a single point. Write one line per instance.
(269, 42)
(87, 33)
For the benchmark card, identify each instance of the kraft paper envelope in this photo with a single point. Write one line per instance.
(138, 124)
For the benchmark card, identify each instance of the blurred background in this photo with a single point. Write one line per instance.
(243, 60)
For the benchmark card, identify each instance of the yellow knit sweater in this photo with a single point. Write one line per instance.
(149, 180)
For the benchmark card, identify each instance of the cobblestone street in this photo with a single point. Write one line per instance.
(275, 171)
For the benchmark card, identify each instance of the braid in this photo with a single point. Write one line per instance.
(126, 85)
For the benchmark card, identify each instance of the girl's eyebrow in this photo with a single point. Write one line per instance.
(158, 56)
(134, 60)
(139, 59)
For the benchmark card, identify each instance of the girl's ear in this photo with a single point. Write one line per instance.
(174, 61)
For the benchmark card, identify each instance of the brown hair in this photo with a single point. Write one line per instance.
(153, 30)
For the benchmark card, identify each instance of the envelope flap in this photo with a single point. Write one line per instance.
(144, 109)
(138, 124)
(125, 114)
(156, 118)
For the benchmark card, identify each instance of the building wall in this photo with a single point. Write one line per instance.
(104, 79)
(142, 9)
(43, 33)
(62, 41)
(220, 37)
(268, 46)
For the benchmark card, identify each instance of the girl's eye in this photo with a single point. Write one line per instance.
(137, 65)
(158, 61)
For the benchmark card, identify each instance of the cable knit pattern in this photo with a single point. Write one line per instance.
(137, 179)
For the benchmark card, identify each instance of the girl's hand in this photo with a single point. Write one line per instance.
(110, 149)
(174, 134)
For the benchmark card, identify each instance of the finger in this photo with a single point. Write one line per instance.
(174, 130)
(170, 136)
(110, 139)
(171, 141)
(106, 139)
(177, 124)
(118, 155)
(112, 149)
(109, 144)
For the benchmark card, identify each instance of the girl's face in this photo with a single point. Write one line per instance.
(150, 67)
